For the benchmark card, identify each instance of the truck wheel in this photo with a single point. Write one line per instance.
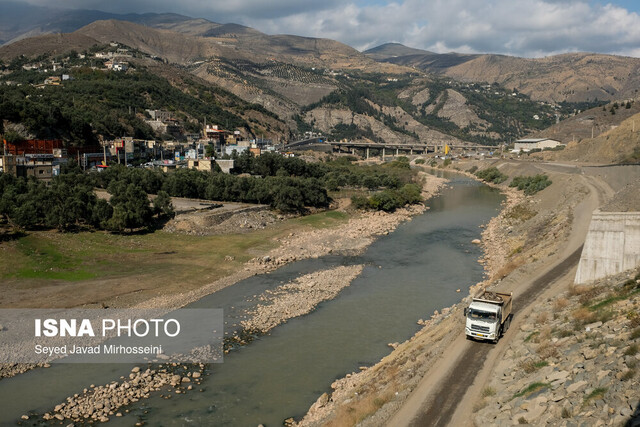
(498, 335)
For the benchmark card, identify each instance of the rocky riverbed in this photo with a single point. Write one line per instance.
(298, 297)
(292, 299)
(99, 403)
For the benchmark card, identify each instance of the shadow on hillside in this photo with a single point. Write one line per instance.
(634, 421)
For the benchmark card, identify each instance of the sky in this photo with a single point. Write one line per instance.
(529, 28)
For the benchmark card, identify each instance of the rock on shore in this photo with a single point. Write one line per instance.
(575, 361)
(100, 403)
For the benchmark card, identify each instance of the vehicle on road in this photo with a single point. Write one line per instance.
(488, 316)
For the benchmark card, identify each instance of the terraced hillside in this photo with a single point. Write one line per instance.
(574, 77)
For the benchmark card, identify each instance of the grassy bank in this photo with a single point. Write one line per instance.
(71, 269)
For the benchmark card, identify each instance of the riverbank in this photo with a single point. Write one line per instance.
(519, 242)
(351, 237)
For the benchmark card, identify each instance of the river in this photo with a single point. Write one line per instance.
(409, 274)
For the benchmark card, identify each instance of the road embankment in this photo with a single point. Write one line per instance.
(527, 238)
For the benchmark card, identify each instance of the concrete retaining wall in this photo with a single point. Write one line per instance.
(611, 247)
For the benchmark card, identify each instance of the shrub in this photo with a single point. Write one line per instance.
(542, 318)
(628, 375)
(488, 391)
(632, 350)
(360, 202)
(473, 169)
(387, 200)
(595, 394)
(390, 199)
(520, 213)
(531, 184)
(530, 366)
(420, 161)
(531, 388)
(492, 174)
(583, 316)
(560, 304)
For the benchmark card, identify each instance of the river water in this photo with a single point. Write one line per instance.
(409, 274)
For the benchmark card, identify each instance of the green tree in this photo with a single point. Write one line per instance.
(288, 199)
(101, 214)
(70, 203)
(131, 207)
(162, 205)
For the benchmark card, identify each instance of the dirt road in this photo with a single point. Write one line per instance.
(462, 375)
(446, 394)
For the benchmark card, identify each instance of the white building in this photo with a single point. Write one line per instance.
(533, 143)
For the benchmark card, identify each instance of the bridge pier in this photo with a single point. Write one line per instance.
(397, 152)
(367, 153)
(411, 152)
(383, 153)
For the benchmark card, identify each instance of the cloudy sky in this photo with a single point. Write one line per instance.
(531, 28)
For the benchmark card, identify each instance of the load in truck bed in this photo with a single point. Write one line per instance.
(491, 296)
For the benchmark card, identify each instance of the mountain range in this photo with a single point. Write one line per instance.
(391, 93)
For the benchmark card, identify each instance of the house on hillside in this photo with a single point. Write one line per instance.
(535, 143)
(53, 81)
(116, 65)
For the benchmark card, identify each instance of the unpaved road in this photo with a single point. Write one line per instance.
(447, 392)
(468, 365)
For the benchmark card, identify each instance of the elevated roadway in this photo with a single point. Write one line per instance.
(386, 149)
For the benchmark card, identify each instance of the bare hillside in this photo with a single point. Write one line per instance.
(573, 77)
(590, 123)
(51, 43)
(170, 45)
(569, 77)
(621, 144)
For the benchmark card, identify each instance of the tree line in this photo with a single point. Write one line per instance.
(286, 184)
(70, 202)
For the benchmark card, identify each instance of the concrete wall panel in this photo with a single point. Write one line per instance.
(611, 247)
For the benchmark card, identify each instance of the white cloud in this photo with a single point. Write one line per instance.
(531, 28)
(524, 28)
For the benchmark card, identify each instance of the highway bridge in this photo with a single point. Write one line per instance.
(366, 148)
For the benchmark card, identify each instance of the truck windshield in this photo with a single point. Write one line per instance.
(477, 314)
